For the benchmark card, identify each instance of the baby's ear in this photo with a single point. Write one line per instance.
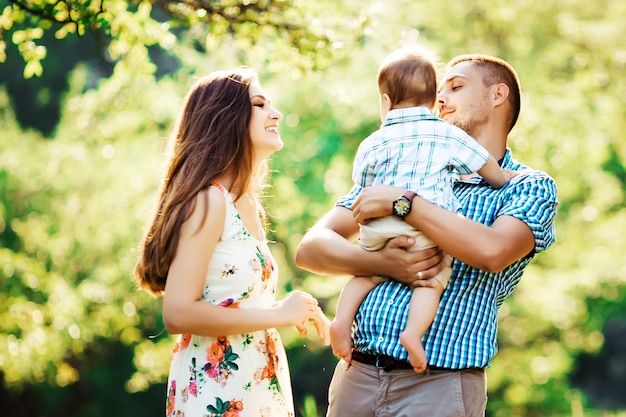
(384, 102)
(387, 100)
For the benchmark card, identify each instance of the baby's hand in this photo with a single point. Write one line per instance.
(509, 173)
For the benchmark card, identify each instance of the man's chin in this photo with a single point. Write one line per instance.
(463, 126)
(452, 121)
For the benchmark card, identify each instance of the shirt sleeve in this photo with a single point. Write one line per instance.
(348, 200)
(364, 163)
(533, 199)
(466, 154)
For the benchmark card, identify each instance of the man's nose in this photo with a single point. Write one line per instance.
(441, 97)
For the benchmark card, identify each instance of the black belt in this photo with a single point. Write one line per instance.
(384, 362)
(389, 363)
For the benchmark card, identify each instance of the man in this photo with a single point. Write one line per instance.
(496, 237)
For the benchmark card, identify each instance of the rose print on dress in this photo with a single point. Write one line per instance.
(255, 265)
(229, 302)
(221, 360)
(232, 303)
(182, 343)
(225, 408)
(266, 266)
(193, 379)
(192, 388)
(171, 398)
(269, 372)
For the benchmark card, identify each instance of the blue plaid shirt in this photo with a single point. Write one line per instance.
(416, 150)
(464, 331)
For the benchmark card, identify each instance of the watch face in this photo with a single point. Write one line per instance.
(402, 207)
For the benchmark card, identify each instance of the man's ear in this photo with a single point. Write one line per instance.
(500, 94)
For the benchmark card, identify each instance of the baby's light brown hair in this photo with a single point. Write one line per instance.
(409, 74)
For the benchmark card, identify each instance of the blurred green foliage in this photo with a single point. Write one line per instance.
(80, 162)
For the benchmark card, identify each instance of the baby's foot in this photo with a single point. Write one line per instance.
(341, 340)
(413, 345)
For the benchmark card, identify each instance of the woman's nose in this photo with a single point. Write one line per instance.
(275, 114)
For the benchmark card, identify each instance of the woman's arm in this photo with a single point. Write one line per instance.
(183, 309)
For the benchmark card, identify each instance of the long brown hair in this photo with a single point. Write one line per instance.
(210, 139)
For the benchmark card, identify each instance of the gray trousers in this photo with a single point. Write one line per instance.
(360, 390)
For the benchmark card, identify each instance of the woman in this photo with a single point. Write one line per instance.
(206, 253)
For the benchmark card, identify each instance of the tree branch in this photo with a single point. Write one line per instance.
(47, 12)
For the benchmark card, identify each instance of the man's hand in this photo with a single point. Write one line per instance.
(411, 268)
(375, 201)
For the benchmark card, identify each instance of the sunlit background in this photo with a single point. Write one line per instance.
(83, 122)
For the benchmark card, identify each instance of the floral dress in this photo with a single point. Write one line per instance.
(235, 374)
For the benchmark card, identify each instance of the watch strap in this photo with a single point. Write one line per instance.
(409, 195)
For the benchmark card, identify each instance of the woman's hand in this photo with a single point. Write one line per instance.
(375, 201)
(322, 326)
(299, 308)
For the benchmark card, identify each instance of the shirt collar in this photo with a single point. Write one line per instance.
(407, 114)
(507, 160)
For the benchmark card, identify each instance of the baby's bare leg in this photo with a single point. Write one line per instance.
(349, 302)
(422, 310)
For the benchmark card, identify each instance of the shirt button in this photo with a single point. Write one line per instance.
(390, 302)
(380, 339)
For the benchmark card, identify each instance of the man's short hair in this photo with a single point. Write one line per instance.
(493, 71)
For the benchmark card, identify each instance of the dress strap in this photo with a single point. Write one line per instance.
(231, 211)
(220, 187)
(223, 191)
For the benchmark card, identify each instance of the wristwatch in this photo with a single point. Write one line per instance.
(402, 206)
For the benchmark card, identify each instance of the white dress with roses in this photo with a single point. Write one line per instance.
(238, 374)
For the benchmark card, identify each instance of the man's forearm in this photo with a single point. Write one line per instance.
(328, 248)
(487, 248)
(324, 252)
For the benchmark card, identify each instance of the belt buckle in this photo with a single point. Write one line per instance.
(388, 367)
(377, 364)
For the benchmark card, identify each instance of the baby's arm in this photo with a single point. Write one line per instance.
(493, 174)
